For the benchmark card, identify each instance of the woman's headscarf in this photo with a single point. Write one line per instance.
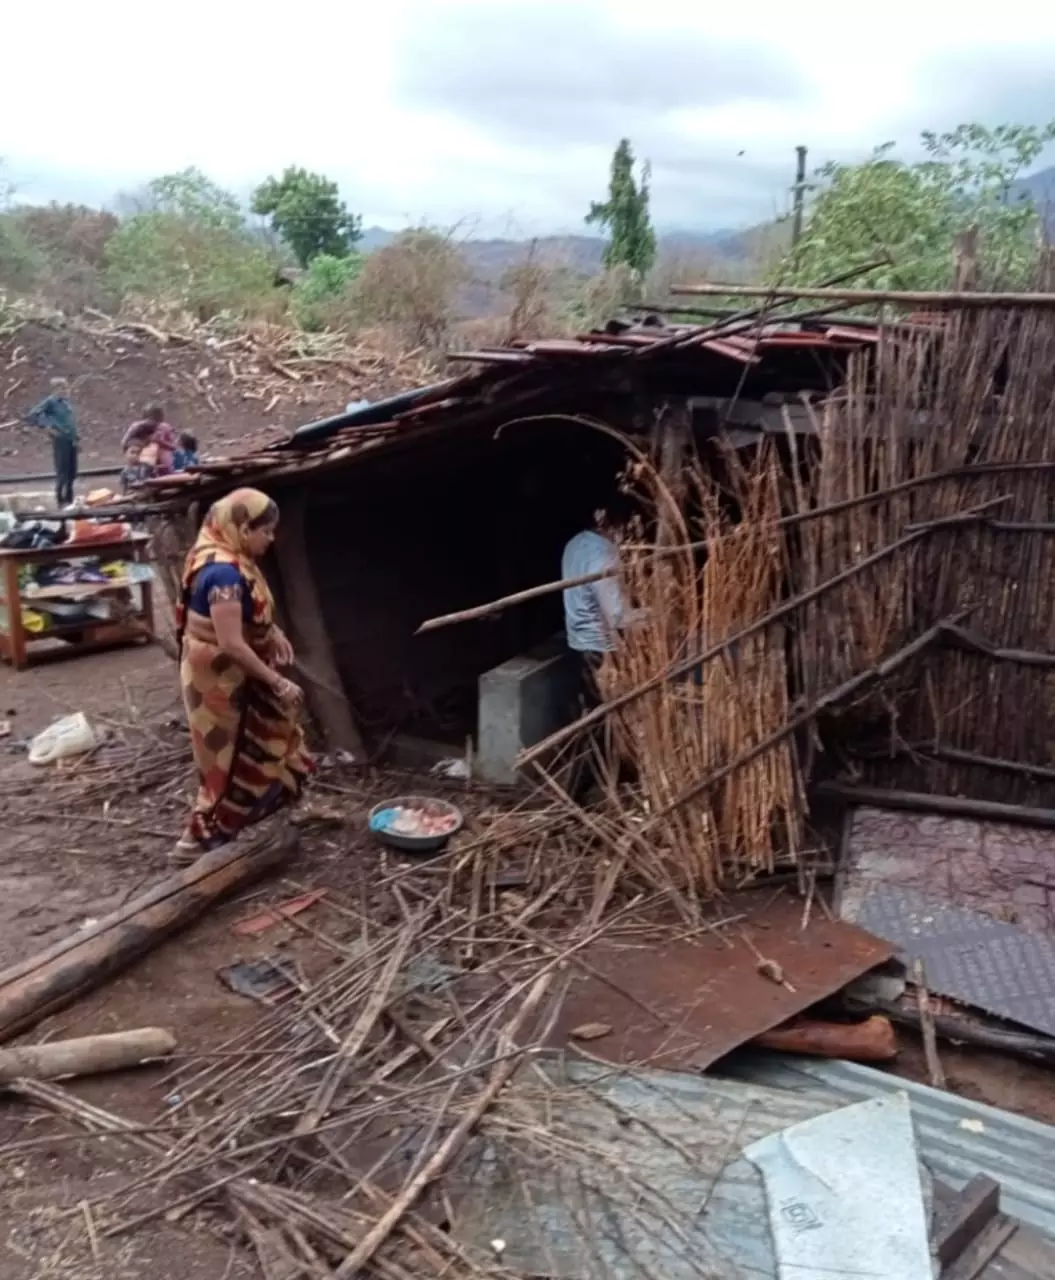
(222, 540)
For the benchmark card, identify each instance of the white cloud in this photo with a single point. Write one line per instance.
(501, 114)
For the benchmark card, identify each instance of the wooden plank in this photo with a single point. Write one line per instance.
(974, 1208)
(307, 631)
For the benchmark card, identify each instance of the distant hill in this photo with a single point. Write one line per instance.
(576, 252)
(1040, 187)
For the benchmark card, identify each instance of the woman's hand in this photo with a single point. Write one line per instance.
(288, 693)
(281, 649)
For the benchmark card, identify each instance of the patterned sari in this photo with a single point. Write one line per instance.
(248, 747)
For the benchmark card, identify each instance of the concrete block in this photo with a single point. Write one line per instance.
(520, 703)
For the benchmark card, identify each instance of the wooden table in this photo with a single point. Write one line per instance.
(84, 635)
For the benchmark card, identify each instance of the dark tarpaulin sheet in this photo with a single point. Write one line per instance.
(946, 891)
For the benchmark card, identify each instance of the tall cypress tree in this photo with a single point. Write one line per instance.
(625, 215)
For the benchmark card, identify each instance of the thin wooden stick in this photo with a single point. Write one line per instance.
(926, 1022)
(454, 1140)
(864, 297)
(786, 522)
(723, 646)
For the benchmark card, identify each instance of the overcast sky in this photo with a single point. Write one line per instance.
(502, 115)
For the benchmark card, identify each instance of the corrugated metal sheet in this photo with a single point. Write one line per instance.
(646, 1177)
(957, 1137)
(593, 1172)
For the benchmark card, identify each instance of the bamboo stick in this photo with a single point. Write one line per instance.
(863, 297)
(454, 1140)
(830, 699)
(786, 522)
(726, 646)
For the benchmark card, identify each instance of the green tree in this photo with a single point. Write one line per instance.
(911, 213)
(306, 210)
(625, 215)
(318, 296)
(191, 247)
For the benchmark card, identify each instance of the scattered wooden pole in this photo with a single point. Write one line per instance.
(85, 1056)
(947, 806)
(37, 987)
(926, 1023)
(454, 1140)
(866, 297)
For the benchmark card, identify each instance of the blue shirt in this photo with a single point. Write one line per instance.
(223, 582)
(594, 612)
(57, 413)
(184, 458)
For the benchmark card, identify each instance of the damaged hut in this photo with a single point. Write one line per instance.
(842, 562)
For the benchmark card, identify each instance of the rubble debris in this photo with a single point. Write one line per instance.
(266, 979)
(264, 920)
(969, 957)
(695, 1001)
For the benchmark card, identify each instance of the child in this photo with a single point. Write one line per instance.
(140, 465)
(186, 455)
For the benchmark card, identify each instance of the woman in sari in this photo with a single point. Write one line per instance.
(243, 713)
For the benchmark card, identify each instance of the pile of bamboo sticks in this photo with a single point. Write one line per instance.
(684, 730)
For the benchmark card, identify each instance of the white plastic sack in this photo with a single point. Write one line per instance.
(70, 736)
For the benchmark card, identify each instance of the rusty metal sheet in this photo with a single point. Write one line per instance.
(968, 956)
(687, 1003)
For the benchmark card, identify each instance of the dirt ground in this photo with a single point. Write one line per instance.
(114, 376)
(60, 870)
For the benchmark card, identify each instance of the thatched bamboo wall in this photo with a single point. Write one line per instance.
(979, 392)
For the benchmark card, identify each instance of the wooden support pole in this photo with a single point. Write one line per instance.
(85, 1056)
(37, 987)
(307, 631)
(725, 646)
(830, 699)
(785, 522)
(958, 638)
(868, 297)
(947, 806)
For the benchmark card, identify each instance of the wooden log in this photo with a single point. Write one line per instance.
(873, 1040)
(37, 987)
(85, 1056)
(948, 806)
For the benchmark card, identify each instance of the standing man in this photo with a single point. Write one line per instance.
(595, 611)
(55, 414)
